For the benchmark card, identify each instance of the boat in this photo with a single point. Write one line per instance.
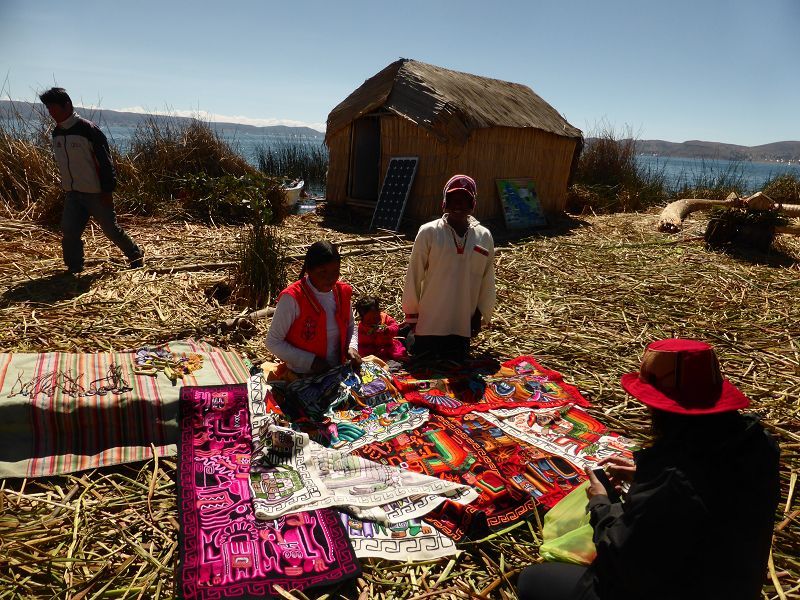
(291, 193)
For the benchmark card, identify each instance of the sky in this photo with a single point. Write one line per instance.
(714, 70)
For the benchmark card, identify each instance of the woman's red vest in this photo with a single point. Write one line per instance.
(309, 330)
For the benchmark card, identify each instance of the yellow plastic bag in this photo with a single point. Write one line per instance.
(567, 534)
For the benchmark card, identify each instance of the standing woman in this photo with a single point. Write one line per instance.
(312, 328)
(697, 521)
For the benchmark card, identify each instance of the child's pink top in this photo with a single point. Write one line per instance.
(379, 340)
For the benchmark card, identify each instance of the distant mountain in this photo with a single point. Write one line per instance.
(115, 118)
(777, 151)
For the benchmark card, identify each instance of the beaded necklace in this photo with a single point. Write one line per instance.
(460, 241)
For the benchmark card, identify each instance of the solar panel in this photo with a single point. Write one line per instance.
(394, 192)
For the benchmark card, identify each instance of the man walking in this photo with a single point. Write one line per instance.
(88, 178)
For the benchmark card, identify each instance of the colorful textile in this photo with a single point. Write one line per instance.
(295, 473)
(412, 540)
(372, 410)
(291, 472)
(442, 448)
(346, 409)
(567, 431)
(62, 412)
(225, 552)
(519, 382)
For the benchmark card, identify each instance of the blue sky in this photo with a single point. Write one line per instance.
(715, 70)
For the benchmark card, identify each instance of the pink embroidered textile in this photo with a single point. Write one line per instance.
(226, 553)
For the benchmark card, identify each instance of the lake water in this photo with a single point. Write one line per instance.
(689, 171)
(246, 144)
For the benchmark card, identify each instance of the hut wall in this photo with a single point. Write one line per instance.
(338, 166)
(496, 153)
(489, 154)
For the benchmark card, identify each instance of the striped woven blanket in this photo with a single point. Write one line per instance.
(63, 412)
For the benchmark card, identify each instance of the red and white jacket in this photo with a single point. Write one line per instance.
(299, 329)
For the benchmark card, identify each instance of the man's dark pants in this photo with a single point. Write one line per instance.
(78, 208)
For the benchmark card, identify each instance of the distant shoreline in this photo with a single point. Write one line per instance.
(115, 118)
(791, 163)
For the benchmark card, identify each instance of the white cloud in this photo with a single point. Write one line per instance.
(214, 118)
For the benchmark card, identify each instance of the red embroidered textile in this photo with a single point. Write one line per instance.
(520, 382)
(503, 470)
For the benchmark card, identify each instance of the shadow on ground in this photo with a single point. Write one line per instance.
(47, 290)
(775, 257)
(345, 219)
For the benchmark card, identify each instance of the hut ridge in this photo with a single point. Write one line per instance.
(450, 104)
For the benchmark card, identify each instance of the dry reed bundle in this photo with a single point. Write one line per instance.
(586, 302)
(29, 184)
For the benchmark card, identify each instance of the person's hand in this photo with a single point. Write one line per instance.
(595, 487)
(619, 469)
(107, 198)
(355, 358)
(406, 326)
(475, 323)
(320, 365)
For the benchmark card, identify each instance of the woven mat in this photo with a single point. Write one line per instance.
(75, 418)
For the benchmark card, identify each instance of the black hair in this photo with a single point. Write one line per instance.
(55, 95)
(366, 304)
(318, 254)
(688, 428)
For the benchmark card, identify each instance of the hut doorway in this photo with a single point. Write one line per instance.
(365, 159)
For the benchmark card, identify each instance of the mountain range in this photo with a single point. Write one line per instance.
(776, 151)
(116, 118)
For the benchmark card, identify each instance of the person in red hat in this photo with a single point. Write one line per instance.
(697, 520)
(449, 287)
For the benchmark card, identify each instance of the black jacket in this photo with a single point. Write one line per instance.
(697, 521)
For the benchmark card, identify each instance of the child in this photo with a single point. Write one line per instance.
(449, 287)
(377, 331)
(312, 328)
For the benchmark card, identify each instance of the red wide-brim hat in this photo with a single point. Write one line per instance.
(683, 377)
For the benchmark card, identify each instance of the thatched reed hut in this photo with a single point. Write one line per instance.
(455, 123)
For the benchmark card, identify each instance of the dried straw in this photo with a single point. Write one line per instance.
(585, 302)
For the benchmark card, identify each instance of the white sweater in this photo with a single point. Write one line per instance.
(444, 287)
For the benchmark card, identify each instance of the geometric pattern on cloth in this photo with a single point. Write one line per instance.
(295, 473)
(441, 448)
(406, 538)
(520, 382)
(70, 421)
(225, 552)
(412, 540)
(567, 431)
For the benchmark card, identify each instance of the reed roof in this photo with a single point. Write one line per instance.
(448, 103)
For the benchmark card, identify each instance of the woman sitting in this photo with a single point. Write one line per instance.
(697, 520)
(312, 328)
